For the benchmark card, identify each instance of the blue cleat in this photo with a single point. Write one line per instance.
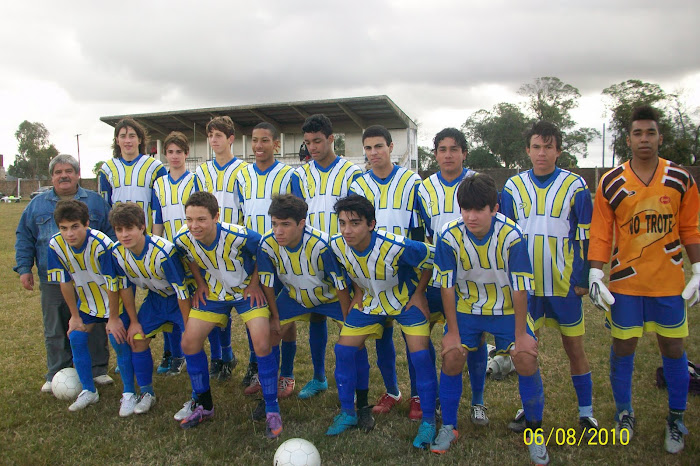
(165, 363)
(426, 435)
(313, 388)
(341, 423)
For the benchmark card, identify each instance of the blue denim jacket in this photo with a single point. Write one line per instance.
(37, 226)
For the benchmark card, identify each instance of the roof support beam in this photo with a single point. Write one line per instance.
(301, 112)
(154, 126)
(190, 124)
(353, 116)
(264, 117)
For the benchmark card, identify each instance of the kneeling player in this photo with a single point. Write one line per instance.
(482, 259)
(382, 267)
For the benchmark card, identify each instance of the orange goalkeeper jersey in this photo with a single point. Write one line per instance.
(650, 225)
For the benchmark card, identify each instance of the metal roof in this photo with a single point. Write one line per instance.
(348, 114)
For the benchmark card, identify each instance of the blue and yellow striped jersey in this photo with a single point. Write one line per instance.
(90, 268)
(394, 199)
(555, 217)
(310, 271)
(484, 271)
(321, 188)
(227, 263)
(158, 268)
(169, 199)
(437, 201)
(255, 190)
(221, 182)
(386, 271)
(122, 181)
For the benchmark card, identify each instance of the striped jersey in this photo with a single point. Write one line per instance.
(158, 268)
(169, 199)
(648, 224)
(221, 182)
(555, 218)
(437, 201)
(122, 181)
(321, 188)
(483, 271)
(386, 271)
(90, 268)
(255, 190)
(394, 198)
(310, 271)
(227, 263)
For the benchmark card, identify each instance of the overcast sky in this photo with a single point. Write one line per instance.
(66, 63)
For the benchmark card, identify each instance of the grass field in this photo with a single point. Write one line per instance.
(38, 429)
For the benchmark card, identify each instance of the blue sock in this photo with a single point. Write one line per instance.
(289, 350)
(166, 342)
(276, 353)
(175, 339)
(450, 394)
(126, 366)
(386, 360)
(362, 368)
(426, 381)
(677, 379)
(532, 396)
(198, 370)
(81, 358)
(252, 358)
(225, 338)
(143, 368)
(346, 377)
(215, 343)
(583, 384)
(621, 369)
(477, 363)
(318, 339)
(411, 370)
(267, 371)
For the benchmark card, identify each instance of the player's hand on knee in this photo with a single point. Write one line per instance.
(691, 293)
(525, 344)
(115, 327)
(76, 323)
(599, 293)
(135, 329)
(451, 342)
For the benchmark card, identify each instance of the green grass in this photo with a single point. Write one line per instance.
(38, 429)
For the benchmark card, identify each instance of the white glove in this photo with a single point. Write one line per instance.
(599, 293)
(691, 293)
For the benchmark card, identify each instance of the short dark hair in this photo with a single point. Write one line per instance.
(140, 132)
(377, 131)
(318, 123)
(223, 124)
(274, 132)
(453, 133)
(127, 215)
(288, 206)
(179, 139)
(357, 204)
(644, 112)
(71, 210)
(477, 192)
(546, 131)
(203, 199)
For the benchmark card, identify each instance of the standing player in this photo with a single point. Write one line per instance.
(225, 253)
(553, 209)
(256, 185)
(218, 176)
(130, 174)
(170, 193)
(382, 267)
(482, 266)
(649, 206)
(393, 192)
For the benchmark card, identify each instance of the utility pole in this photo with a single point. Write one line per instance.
(603, 144)
(77, 139)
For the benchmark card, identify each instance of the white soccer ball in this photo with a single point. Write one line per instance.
(66, 384)
(297, 452)
(500, 366)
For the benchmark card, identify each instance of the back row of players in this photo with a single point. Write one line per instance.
(277, 258)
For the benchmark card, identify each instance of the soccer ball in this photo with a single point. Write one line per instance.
(66, 384)
(297, 452)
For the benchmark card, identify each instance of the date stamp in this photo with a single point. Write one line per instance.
(574, 437)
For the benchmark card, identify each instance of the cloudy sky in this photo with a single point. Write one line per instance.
(67, 63)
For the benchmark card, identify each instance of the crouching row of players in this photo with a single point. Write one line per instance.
(234, 268)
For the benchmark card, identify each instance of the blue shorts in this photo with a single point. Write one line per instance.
(564, 314)
(218, 312)
(473, 326)
(412, 322)
(631, 316)
(434, 296)
(290, 310)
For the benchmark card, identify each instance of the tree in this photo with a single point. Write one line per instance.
(499, 132)
(426, 160)
(480, 157)
(35, 151)
(96, 168)
(339, 144)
